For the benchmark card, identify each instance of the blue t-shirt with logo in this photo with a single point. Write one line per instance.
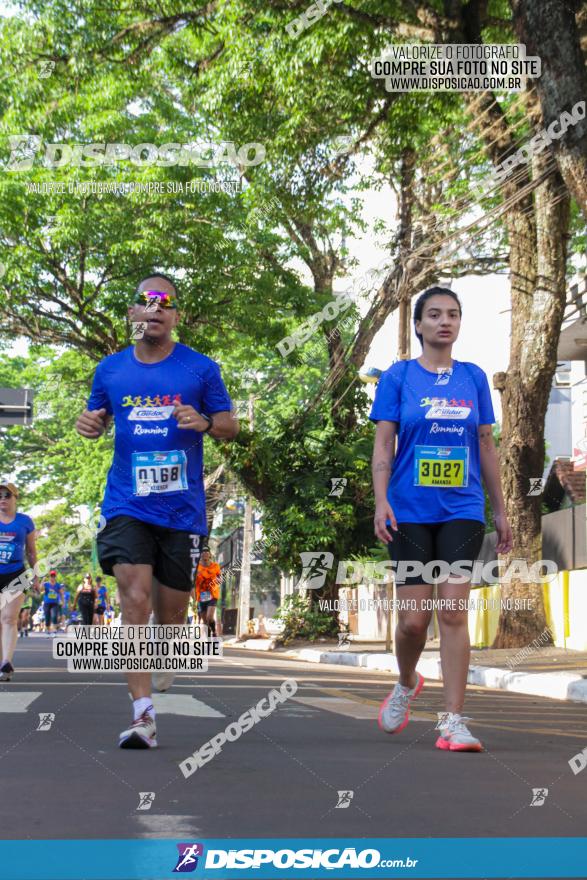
(12, 542)
(52, 592)
(436, 474)
(157, 470)
(102, 595)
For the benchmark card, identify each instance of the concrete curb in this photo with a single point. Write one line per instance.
(555, 685)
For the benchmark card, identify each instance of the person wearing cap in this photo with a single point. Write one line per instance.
(164, 397)
(85, 599)
(208, 589)
(52, 590)
(17, 540)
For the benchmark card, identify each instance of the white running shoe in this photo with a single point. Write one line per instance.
(141, 734)
(394, 712)
(162, 681)
(455, 735)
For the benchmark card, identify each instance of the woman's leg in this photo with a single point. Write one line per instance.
(211, 619)
(455, 645)
(410, 633)
(457, 540)
(412, 547)
(9, 625)
(87, 613)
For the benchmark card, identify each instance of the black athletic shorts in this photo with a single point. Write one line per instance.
(6, 579)
(173, 554)
(207, 604)
(424, 543)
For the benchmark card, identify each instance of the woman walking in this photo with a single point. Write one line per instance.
(85, 598)
(430, 504)
(17, 539)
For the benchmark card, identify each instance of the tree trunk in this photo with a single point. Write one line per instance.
(538, 257)
(549, 29)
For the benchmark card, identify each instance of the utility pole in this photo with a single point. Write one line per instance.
(248, 541)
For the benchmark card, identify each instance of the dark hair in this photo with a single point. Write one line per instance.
(156, 274)
(432, 291)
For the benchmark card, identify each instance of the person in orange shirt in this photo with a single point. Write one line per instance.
(208, 589)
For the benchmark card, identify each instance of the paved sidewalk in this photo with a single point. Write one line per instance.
(546, 672)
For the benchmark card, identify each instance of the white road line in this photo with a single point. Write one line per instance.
(155, 825)
(184, 704)
(350, 708)
(17, 701)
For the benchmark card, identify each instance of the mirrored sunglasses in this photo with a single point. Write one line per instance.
(154, 298)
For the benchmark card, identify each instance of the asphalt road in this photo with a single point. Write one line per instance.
(281, 778)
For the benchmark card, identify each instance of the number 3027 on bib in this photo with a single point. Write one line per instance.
(159, 472)
(441, 466)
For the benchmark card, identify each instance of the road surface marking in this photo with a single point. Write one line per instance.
(18, 701)
(184, 704)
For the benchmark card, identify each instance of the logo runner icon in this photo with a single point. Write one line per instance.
(187, 860)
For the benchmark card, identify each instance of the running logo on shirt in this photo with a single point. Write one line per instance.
(157, 400)
(442, 408)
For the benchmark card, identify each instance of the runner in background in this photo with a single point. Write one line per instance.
(102, 600)
(24, 617)
(65, 601)
(85, 599)
(52, 602)
(164, 397)
(208, 589)
(17, 539)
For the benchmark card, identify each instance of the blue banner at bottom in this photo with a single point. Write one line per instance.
(286, 858)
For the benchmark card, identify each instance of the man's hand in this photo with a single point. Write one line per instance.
(189, 418)
(92, 423)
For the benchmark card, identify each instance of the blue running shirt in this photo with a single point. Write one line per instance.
(436, 470)
(12, 542)
(52, 592)
(157, 470)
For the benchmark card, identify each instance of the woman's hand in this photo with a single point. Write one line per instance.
(36, 584)
(505, 539)
(384, 512)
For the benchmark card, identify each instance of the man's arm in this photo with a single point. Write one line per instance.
(225, 426)
(93, 423)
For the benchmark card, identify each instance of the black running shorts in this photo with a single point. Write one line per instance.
(421, 544)
(6, 580)
(173, 554)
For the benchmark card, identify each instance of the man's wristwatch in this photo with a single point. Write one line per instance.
(210, 423)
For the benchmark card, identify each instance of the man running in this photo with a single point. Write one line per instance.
(163, 396)
(52, 602)
(208, 589)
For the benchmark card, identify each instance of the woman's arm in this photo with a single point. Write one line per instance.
(31, 555)
(383, 455)
(492, 480)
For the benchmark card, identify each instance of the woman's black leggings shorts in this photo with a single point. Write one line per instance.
(423, 552)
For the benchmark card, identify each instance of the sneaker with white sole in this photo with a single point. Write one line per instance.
(141, 734)
(394, 712)
(6, 671)
(455, 736)
(162, 681)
